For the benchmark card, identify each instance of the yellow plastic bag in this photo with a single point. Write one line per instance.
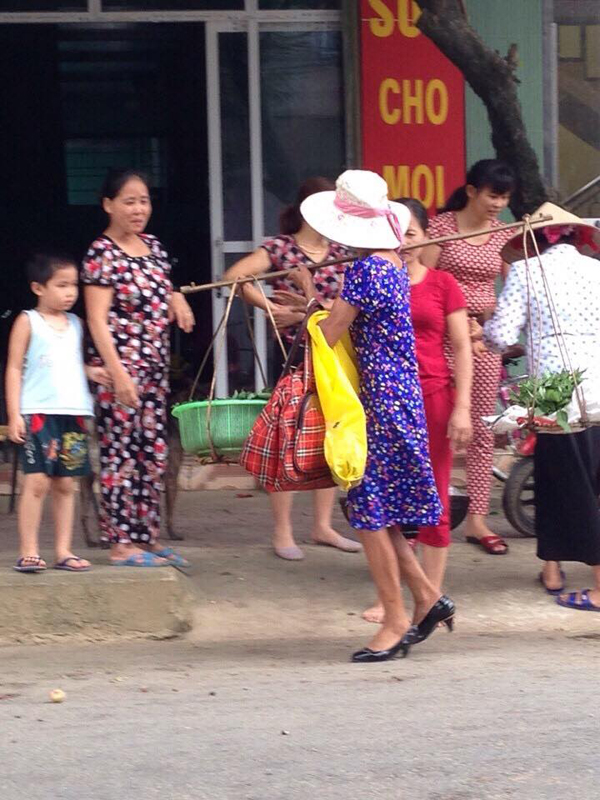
(337, 382)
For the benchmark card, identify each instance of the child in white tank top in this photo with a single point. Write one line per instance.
(47, 400)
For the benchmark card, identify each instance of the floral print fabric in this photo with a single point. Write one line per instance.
(138, 317)
(284, 253)
(398, 486)
(133, 442)
(133, 458)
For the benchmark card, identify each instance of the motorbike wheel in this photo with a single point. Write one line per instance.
(518, 499)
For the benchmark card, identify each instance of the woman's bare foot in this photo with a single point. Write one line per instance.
(476, 528)
(582, 599)
(330, 538)
(283, 536)
(551, 576)
(388, 636)
(424, 606)
(374, 614)
(121, 551)
(75, 563)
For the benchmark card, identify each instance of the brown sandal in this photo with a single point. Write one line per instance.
(490, 544)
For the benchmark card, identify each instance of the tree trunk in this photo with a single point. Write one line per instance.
(493, 79)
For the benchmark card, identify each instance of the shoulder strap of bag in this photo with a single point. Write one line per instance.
(299, 337)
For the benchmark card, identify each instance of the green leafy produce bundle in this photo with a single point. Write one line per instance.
(550, 394)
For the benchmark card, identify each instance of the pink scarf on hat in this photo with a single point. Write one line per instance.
(366, 212)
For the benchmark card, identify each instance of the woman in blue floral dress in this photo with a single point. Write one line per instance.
(398, 486)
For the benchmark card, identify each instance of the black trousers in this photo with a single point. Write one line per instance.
(567, 485)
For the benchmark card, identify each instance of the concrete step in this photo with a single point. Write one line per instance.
(105, 603)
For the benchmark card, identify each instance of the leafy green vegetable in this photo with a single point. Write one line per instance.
(265, 394)
(550, 394)
(245, 395)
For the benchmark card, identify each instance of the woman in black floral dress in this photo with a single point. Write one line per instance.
(130, 303)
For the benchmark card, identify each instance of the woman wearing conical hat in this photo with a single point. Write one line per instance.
(555, 302)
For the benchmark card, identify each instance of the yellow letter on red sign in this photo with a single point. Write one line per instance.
(384, 25)
(398, 180)
(388, 115)
(422, 186)
(436, 102)
(408, 14)
(410, 101)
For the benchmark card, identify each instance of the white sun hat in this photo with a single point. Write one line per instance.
(358, 214)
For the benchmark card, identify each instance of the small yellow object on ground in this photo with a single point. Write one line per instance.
(57, 696)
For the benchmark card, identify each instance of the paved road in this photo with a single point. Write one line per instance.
(504, 708)
(464, 718)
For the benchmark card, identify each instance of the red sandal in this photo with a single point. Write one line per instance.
(490, 544)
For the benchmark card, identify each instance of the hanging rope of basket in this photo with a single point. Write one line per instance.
(528, 233)
(216, 346)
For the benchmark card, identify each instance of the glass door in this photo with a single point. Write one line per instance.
(275, 118)
(235, 185)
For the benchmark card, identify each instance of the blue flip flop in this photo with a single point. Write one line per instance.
(554, 592)
(584, 604)
(65, 565)
(141, 560)
(172, 557)
(30, 564)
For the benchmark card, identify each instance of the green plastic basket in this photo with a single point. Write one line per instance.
(231, 421)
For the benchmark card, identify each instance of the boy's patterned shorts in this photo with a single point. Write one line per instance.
(56, 445)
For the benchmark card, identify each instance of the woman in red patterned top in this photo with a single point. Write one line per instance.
(297, 245)
(476, 263)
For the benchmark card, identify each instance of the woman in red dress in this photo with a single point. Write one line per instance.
(298, 245)
(438, 310)
(476, 263)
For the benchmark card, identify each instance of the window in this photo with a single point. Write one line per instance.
(87, 161)
(302, 113)
(172, 5)
(44, 5)
(289, 5)
(578, 104)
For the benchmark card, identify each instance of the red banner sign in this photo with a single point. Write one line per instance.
(412, 105)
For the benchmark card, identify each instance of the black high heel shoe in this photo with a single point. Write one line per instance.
(368, 656)
(442, 611)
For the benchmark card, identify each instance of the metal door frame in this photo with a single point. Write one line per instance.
(219, 246)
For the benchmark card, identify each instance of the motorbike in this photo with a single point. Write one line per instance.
(518, 496)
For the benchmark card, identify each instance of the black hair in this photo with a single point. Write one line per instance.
(489, 173)
(43, 265)
(116, 179)
(417, 209)
(290, 219)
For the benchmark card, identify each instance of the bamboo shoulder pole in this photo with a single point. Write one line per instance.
(267, 276)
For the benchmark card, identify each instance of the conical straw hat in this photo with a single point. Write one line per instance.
(587, 240)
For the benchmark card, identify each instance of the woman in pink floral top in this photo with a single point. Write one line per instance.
(297, 245)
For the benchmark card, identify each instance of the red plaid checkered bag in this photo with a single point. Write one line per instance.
(284, 451)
